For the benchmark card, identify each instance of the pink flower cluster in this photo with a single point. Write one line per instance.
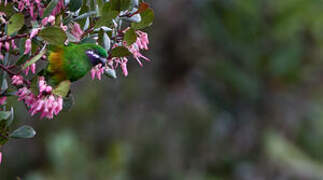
(59, 7)
(17, 80)
(31, 6)
(76, 31)
(6, 46)
(141, 43)
(97, 71)
(46, 103)
(31, 68)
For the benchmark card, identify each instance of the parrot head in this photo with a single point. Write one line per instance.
(96, 55)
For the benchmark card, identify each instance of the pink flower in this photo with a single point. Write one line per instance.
(3, 100)
(27, 46)
(7, 46)
(44, 22)
(34, 7)
(46, 103)
(63, 27)
(51, 19)
(26, 95)
(134, 49)
(123, 64)
(32, 67)
(0, 157)
(17, 80)
(34, 32)
(13, 44)
(142, 40)
(77, 31)
(141, 43)
(58, 8)
(43, 87)
(97, 71)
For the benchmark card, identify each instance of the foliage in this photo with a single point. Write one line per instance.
(31, 30)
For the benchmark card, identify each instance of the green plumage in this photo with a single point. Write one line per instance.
(70, 62)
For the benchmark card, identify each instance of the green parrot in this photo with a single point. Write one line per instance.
(72, 62)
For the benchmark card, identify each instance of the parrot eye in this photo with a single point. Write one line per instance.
(95, 58)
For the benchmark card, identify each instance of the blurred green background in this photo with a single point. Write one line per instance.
(234, 91)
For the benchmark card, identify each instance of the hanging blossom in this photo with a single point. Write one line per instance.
(7, 46)
(59, 7)
(34, 7)
(17, 80)
(31, 68)
(97, 71)
(3, 100)
(141, 43)
(46, 103)
(76, 31)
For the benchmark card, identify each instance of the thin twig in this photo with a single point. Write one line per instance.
(14, 37)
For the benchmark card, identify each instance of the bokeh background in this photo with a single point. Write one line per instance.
(234, 91)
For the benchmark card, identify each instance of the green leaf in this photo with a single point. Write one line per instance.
(34, 86)
(35, 59)
(50, 7)
(120, 52)
(63, 88)
(23, 132)
(106, 19)
(4, 115)
(15, 23)
(10, 119)
(120, 5)
(84, 13)
(147, 18)
(22, 59)
(8, 9)
(53, 35)
(74, 5)
(130, 36)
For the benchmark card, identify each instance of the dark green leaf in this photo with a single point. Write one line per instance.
(74, 5)
(106, 19)
(8, 10)
(63, 88)
(130, 36)
(120, 52)
(50, 7)
(84, 13)
(53, 35)
(120, 5)
(22, 59)
(23, 132)
(15, 23)
(147, 18)
(34, 86)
